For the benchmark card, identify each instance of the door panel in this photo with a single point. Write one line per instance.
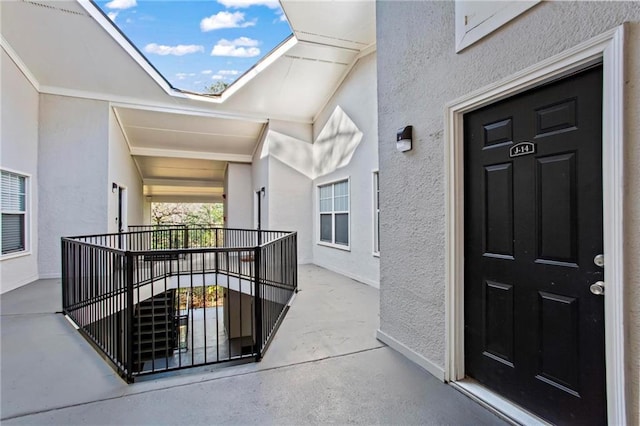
(533, 224)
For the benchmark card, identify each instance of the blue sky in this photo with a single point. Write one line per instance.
(196, 43)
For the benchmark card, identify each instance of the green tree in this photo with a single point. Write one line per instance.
(210, 214)
(216, 88)
(205, 214)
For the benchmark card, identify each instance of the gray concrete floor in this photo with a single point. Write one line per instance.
(324, 366)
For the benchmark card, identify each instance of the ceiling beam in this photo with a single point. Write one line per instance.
(198, 155)
(185, 199)
(190, 132)
(183, 182)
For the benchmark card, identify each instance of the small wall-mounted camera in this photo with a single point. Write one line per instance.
(403, 140)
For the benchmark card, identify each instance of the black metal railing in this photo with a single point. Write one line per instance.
(172, 297)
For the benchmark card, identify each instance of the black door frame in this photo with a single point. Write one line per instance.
(607, 48)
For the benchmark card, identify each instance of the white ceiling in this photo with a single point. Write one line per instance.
(181, 143)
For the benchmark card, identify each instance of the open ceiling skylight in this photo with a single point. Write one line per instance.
(200, 46)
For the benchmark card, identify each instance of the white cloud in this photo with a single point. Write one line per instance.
(242, 47)
(245, 41)
(181, 75)
(121, 4)
(207, 72)
(217, 77)
(225, 20)
(112, 15)
(228, 72)
(272, 4)
(178, 50)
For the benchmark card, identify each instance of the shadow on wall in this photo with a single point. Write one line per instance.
(333, 149)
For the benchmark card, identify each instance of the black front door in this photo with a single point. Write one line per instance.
(534, 332)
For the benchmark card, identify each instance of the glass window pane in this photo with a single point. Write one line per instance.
(13, 192)
(325, 191)
(325, 228)
(341, 204)
(12, 233)
(342, 229)
(341, 188)
(325, 206)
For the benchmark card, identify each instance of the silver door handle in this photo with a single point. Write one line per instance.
(597, 288)
(599, 260)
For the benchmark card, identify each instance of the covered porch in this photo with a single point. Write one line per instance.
(323, 366)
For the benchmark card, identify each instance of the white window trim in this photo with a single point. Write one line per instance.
(609, 49)
(317, 213)
(502, 13)
(27, 216)
(376, 213)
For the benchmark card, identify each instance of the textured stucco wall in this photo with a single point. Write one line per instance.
(239, 202)
(418, 73)
(19, 153)
(354, 103)
(632, 217)
(73, 173)
(123, 171)
(260, 176)
(290, 165)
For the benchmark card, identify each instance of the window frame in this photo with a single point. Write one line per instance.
(333, 214)
(26, 214)
(376, 213)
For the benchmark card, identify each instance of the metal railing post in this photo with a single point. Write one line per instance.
(258, 303)
(295, 261)
(64, 274)
(129, 326)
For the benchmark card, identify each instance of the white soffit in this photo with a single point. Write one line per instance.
(68, 52)
(64, 48)
(181, 132)
(182, 180)
(348, 24)
(186, 171)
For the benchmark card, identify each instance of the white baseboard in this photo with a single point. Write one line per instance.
(20, 283)
(413, 356)
(356, 277)
(51, 276)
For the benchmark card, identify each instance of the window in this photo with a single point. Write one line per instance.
(14, 212)
(334, 213)
(376, 213)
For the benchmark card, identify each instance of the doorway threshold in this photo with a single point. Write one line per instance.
(496, 403)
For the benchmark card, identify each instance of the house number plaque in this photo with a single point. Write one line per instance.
(522, 148)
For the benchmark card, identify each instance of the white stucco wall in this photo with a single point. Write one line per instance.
(123, 171)
(239, 201)
(345, 138)
(632, 219)
(290, 168)
(73, 173)
(19, 153)
(418, 73)
(260, 177)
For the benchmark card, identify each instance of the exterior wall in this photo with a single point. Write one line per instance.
(239, 202)
(413, 88)
(123, 171)
(632, 220)
(290, 166)
(73, 174)
(19, 153)
(346, 145)
(260, 177)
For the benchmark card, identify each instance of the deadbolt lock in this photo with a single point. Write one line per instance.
(597, 288)
(599, 260)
